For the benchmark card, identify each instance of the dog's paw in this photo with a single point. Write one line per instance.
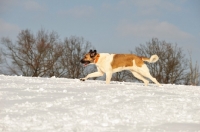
(82, 79)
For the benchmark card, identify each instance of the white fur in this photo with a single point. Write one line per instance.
(104, 66)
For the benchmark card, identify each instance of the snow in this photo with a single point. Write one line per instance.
(29, 104)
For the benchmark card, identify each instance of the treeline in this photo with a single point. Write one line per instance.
(45, 55)
(172, 67)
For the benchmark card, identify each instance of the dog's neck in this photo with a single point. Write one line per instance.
(96, 58)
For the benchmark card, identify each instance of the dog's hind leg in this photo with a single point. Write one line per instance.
(144, 71)
(140, 77)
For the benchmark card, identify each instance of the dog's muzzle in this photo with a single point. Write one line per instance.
(85, 62)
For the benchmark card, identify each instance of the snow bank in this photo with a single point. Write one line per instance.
(68, 105)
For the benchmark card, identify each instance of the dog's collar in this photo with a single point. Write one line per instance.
(97, 58)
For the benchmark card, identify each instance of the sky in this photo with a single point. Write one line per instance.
(114, 26)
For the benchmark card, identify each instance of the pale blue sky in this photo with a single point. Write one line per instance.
(110, 25)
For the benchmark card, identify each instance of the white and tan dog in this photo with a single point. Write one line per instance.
(111, 63)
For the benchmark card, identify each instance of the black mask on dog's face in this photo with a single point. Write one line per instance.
(89, 57)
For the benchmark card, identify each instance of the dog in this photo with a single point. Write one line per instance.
(111, 63)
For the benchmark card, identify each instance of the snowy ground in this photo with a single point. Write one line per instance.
(68, 105)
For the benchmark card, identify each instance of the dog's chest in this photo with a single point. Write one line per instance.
(103, 66)
(104, 63)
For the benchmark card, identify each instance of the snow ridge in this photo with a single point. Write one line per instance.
(68, 105)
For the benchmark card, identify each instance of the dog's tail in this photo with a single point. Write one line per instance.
(152, 59)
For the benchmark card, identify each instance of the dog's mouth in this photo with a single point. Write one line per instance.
(85, 63)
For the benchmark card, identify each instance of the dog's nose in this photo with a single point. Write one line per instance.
(82, 61)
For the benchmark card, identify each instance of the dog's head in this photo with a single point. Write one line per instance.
(89, 57)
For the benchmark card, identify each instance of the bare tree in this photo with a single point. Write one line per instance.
(1, 61)
(32, 56)
(44, 54)
(74, 48)
(193, 76)
(171, 67)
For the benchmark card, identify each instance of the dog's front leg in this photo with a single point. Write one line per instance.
(94, 74)
(108, 77)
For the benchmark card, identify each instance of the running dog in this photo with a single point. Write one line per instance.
(111, 63)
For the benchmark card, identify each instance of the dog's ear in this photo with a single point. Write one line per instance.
(93, 53)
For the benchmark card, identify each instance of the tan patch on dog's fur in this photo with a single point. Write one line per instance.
(126, 60)
(94, 59)
(88, 58)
